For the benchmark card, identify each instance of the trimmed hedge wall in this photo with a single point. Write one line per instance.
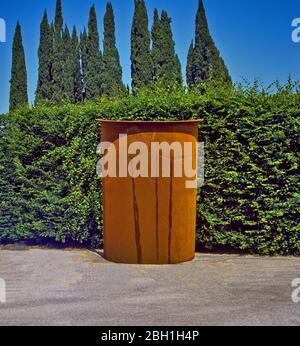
(251, 199)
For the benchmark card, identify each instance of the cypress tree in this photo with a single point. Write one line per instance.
(190, 74)
(77, 77)
(72, 78)
(219, 70)
(166, 64)
(112, 71)
(58, 56)
(68, 66)
(170, 69)
(83, 54)
(141, 61)
(155, 35)
(201, 55)
(59, 21)
(208, 66)
(44, 89)
(18, 82)
(178, 70)
(93, 65)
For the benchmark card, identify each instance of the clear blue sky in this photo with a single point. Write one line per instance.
(254, 36)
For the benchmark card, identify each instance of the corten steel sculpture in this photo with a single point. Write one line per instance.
(150, 220)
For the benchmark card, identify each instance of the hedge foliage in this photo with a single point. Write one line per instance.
(251, 198)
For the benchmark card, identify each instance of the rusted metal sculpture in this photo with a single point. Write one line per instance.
(149, 219)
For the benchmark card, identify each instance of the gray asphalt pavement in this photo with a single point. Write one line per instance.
(78, 287)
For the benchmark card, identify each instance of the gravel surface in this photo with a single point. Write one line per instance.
(78, 287)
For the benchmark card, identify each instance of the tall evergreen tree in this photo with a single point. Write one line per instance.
(166, 64)
(68, 66)
(77, 77)
(141, 62)
(178, 70)
(155, 36)
(208, 66)
(190, 74)
(93, 65)
(59, 21)
(201, 56)
(72, 78)
(219, 71)
(112, 71)
(18, 82)
(44, 88)
(58, 56)
(170, 65)
(83, 55)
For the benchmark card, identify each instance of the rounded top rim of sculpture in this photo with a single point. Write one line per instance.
(171, 122)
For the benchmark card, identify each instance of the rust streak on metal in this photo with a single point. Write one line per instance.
(170, 213)
(157, 230)
(137, 225)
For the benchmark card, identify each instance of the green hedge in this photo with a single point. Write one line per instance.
(250, 201)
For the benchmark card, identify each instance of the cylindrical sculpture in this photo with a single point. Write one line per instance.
(149, 191)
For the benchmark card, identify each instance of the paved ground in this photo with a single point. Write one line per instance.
(78, 287)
